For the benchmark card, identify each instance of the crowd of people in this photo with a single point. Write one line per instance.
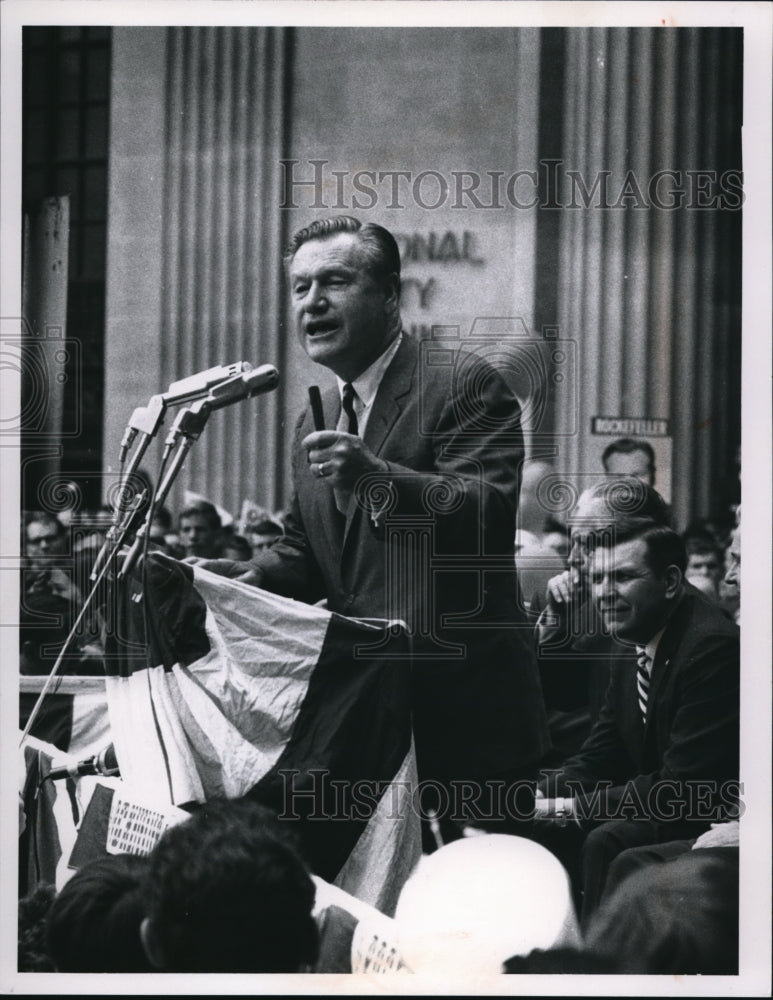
(229, 891)
(592, 661)
(60, 551)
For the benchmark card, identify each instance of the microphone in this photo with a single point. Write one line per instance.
(105, 762)
(198, 385)
(190, 422)
(253, 383)
(148, 419)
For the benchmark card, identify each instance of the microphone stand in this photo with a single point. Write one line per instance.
(145, 421)
(127, 522)
(186, 429)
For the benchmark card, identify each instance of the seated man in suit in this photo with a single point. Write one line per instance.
(404, 509)
(661, 761)
(574, 649)
(723, 837)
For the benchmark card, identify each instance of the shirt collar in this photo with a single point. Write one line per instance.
(652, 646)
(366, 385)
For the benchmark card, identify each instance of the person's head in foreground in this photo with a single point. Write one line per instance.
(94, 922)
(679, 917)
(227, 892)
(32, 950)
(478, 901)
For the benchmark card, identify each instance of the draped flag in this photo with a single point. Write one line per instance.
(51, 814)
(65, 824)
(73, 716)
(216, 688)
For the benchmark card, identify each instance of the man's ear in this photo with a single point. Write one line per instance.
(150, 945)
(673, 579)
(392, 291)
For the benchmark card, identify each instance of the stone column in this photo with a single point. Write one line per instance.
(226, 98)
(650, 292)
(197, 127)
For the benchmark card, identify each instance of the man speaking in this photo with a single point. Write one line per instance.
(405, 494)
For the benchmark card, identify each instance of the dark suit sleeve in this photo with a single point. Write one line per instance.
(703, 742)
(564, 665)
(603, 757)
(477, 452)
(698, 729)
(288, 567)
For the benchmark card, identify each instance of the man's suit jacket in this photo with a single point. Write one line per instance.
(684, 762)
(574, 661)
(439, 556)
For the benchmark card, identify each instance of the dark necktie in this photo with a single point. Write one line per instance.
(347, 422)
(643, 682)
(347, 402)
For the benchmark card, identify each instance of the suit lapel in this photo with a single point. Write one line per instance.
(659, 669)
(394, 386)
(633, 718)
(331, 407)
(387, 407)
(667, 646)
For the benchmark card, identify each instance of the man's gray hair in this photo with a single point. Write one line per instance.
(380, 247)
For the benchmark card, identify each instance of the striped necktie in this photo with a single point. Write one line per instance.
(643, 681)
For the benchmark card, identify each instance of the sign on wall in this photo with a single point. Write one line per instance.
(633, 445)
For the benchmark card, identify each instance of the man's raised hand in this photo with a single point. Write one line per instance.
(340, 459)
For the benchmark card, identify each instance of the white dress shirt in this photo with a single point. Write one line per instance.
(366, 385)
